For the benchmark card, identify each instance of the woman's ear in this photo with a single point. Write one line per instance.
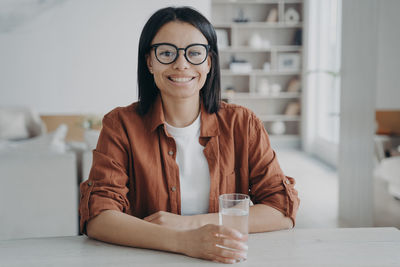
(149, 65)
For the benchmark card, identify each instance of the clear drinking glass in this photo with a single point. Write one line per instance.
(234, 211)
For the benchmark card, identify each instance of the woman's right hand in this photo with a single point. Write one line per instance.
(215, 242)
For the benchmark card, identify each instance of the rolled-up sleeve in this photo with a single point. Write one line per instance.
(268, 184)
(107, 186)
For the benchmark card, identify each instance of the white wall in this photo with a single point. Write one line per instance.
(78, 56)
(388, 79)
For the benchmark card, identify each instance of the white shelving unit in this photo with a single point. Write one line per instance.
(242, 22)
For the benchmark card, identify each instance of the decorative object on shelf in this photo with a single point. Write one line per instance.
(272, 15)
(256, 41)
(293, 108)
(298, 39)
(263, 87)
(266, 44)
(294, 85)
(222, 38)
(292, 17)
(267, 66)
(276, 89)
(230, 90)
(277, 127)
(288, 61)
(241, 18)
(239, 65)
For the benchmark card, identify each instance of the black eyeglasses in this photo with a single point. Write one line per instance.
(167, 53)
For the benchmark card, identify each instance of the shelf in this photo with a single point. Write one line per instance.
(227, 72)
(266, 118)
(287, 48)
(247, 49)
(233, 96)
(255, 1)
(262, 72)
(285, 141)
(285, 136)
(258, 24)
(271, 41)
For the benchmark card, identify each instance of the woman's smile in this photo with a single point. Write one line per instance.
(181, 79)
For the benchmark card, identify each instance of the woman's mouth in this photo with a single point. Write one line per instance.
(181, 79)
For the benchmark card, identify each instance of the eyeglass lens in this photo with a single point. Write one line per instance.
(195, 54)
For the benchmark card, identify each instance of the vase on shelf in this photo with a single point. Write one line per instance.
(278, 127)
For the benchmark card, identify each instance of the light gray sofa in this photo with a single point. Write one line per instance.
(38, 179)
(38, 195)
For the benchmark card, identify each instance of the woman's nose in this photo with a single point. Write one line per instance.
(181, 62)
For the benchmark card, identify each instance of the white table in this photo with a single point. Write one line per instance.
(299, 247)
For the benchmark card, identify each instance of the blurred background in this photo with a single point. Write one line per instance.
(323, 76)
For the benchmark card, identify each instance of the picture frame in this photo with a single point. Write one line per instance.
(289, 62)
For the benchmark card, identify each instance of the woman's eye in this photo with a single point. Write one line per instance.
(194, 53)
(166, 54)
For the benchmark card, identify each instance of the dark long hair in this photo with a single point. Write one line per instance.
(210, 94)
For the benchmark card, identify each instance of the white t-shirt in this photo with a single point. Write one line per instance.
(194, 174)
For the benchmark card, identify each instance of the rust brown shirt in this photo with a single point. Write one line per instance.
(134, 168)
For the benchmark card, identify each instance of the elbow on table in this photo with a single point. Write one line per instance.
(94, 226)
(91, 230)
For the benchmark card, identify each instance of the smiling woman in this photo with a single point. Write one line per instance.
(161, 163)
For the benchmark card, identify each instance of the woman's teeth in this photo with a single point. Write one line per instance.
(181, 80)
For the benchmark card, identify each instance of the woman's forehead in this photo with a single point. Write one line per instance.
(179, 33)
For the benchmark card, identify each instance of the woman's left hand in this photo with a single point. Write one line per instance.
(171, 220)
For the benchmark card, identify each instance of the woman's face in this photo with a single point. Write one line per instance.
(180, 79)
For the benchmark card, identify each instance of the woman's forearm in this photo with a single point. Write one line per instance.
(262, 218)
(119, 228)
(205, 242)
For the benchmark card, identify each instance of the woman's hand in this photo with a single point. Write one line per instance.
(170, 220)
(214, 242)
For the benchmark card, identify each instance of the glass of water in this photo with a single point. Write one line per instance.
(234, 211)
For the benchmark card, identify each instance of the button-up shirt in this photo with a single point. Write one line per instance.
(134, 169)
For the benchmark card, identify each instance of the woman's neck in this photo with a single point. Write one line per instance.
(181, 112)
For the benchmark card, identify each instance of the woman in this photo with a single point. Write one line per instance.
(160, 164)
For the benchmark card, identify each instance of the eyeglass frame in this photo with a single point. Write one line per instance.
(155, 46)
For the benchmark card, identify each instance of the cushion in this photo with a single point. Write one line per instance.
(20, 123)
(54, 141)
(13, 125)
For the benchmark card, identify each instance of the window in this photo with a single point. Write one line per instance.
(323, 78)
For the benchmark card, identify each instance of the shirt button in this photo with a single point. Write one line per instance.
(287, 181)
(170, 152)
(173, 188)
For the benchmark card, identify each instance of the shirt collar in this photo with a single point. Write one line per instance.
(155, 116)
(208, 127)
(209, 123)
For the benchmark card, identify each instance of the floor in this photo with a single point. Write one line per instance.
(317, 185)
